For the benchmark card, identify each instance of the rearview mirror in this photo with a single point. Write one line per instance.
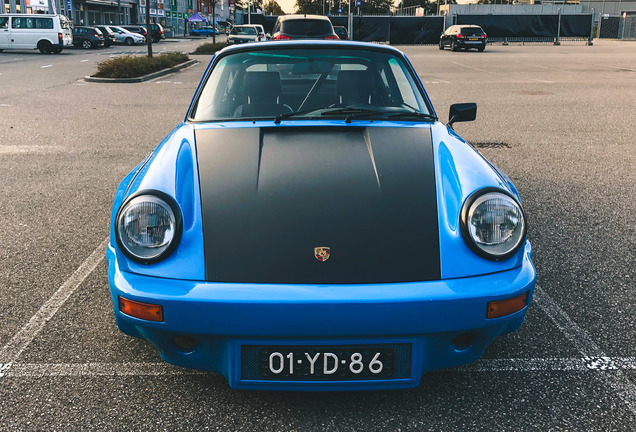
(462, 112)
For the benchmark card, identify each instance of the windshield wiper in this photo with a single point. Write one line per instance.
(284, 116)
(412, 114)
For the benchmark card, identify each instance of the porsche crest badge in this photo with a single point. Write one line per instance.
(322, 254)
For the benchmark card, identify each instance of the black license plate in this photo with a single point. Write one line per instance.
(326, 363)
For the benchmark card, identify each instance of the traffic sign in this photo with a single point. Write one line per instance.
(358, 3)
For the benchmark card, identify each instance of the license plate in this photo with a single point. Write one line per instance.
(326, 363)
(474, 39)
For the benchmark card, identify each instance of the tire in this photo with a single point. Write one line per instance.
(441, 45)
(481, 49)
(86, 44)
(129, 42)
(453, 46)
(57, 50)
(45, 47)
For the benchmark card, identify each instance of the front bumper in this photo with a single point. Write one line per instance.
(225, 317)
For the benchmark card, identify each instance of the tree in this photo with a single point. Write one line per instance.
(309, 7)
(273, 8)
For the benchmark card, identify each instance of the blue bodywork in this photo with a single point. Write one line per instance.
(204, 31)
(226, 317)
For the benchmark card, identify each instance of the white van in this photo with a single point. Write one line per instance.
(48, 33)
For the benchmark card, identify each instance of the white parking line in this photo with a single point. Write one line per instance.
(47, 66)
(82, 61)
(471, 67)
(14, 348)
(157, 369)
(617, 379)
(543, 81)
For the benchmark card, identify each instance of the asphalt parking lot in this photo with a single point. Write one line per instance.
(558, 119)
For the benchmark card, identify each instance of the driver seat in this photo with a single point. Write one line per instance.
(355, 87)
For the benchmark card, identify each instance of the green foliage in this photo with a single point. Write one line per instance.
(209, 47)
(309, 7)
(132, 67)
(272, 8)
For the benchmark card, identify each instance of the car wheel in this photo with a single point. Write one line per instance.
(441, 45)
(45, 47)
(86, 44)
(57, 50)
(453, 46)
(481, 49)
(129, 41)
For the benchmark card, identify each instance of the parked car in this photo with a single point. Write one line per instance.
(242, 34)
(124, 36)
(204, 31)
(136, 29)
(87, 37)
(341, 32)
(464, 37)
(47, 33)
(303, 27)
(109, 35)
(262, 37)
(312, 225)
(156, 30)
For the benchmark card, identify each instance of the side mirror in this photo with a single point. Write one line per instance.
(462, 112)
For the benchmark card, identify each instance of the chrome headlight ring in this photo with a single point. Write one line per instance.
(493, 223)
(148, 226)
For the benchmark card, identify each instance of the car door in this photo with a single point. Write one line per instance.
(5, 40)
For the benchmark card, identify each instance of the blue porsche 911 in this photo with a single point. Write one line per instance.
(312, 225)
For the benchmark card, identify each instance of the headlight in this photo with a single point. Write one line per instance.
(493, 224)
(148, 226)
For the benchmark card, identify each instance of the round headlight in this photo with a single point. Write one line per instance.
(148, 227)
(493, 224)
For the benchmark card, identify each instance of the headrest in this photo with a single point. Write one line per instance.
(262, 87)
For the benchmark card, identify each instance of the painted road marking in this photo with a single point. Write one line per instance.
(82, 61)
(543, 81)
(471, 67)
(161, 369)
(543, 67)
(616, 378)
(14, 348)
(47, 66)
(4, 105)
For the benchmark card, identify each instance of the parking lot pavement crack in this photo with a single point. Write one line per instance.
(594, 357)
(21, 340)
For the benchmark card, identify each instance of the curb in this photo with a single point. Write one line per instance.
(142, 78)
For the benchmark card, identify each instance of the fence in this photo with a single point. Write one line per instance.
(425, 30)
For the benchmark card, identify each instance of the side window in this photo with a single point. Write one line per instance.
(44, 23)
(18, 23)
(4, 22)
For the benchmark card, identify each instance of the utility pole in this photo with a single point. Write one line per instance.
(148, 29)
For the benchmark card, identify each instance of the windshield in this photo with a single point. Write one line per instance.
(243, 31)
(306, 27)
(315, 83)
(471, 31)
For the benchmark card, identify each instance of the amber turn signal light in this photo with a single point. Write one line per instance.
(144, 311)
(509, 306)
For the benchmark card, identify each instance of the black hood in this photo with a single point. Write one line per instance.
(271, 195)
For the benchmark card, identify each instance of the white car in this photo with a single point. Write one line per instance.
(47, 33)
(123, 36)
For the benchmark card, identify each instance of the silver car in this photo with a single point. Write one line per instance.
(242, 34)
(123, 36)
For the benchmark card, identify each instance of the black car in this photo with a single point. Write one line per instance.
(109, 35)
(463, 36)
(303, 27)
(136, 29)
(87, 37)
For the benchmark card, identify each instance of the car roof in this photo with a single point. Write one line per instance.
(311, 43)
(303, 17)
